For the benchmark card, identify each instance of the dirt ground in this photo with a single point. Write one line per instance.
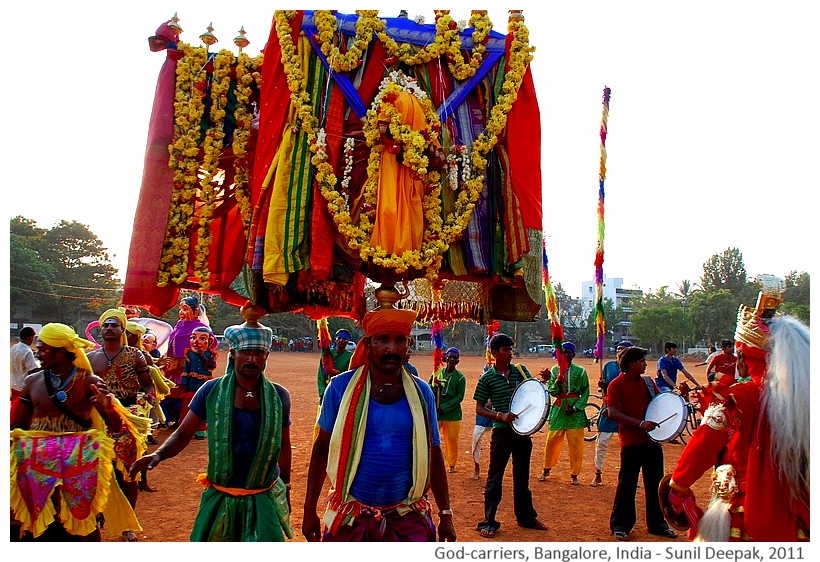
(573, 513)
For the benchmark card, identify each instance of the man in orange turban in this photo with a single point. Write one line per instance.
(378, 402)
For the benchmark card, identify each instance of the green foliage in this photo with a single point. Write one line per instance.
(713, 315)
(657, 324)
(66, 268)
(724, 271)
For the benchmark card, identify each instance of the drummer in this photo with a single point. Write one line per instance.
(496, 384)
(628, 397)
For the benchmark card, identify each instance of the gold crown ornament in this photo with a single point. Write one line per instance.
(751, 322)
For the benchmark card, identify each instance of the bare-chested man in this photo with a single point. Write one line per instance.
(125, 372)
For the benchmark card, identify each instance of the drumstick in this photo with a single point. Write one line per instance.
(667, 419)
(527, 407)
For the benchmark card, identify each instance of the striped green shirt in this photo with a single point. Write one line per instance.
(493, 386)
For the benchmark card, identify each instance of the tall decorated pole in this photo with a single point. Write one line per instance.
(556, 330)
(600, 322)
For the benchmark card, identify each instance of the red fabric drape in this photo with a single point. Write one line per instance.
(524, 142)
(151, 215)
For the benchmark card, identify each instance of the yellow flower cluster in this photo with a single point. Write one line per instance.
(195, 157)
(188, 110)
(438, 233)
(212, 148)
(447, 41)
(482, 26)
(241, 135)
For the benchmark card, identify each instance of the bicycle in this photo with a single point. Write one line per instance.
(593, 413)
(693, 417)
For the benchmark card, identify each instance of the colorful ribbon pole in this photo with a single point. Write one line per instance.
(556, 330)
(437, 339)
(600, 322)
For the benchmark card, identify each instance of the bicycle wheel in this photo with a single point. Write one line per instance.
(592, 411)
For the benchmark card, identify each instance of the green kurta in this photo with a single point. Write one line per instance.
(449, 391)
(576, 386)
(341, 361)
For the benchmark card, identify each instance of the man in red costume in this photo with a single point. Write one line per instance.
(755, 435)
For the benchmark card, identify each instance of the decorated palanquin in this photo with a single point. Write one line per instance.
(355, 150)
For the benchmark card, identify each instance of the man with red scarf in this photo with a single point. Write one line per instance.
(756, 434)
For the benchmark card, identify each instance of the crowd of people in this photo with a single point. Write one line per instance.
(386, 439)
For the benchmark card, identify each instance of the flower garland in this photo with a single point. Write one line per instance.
(212, 148)
(241, 136)
(446, 41)
(482, 26)
(326, 25)
(188, 110)
(438, 233)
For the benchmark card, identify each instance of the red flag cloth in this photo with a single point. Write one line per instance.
(524, 142)
(151, 215)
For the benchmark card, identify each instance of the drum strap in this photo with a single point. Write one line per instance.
(650, 386)
(525, 374)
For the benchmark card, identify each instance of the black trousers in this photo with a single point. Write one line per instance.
(647, 459)
(506, 443)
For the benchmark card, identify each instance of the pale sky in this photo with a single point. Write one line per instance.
(712, 139)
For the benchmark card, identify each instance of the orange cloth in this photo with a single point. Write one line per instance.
(380, 321)
(399, 224)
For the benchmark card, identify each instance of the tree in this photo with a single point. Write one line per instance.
(30, 276)
(83, 281)
(714, 315)
(724, 271)
(655, 325)
(798, 293)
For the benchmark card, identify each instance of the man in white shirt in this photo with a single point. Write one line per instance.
(22, 361)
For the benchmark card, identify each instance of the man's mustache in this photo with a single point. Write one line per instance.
(392, 357)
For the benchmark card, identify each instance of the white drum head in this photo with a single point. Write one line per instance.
(531, 403)
(669, 410)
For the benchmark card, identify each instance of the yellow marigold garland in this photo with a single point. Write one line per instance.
(241, 136)
(184, 150)
(212, 147)
(482, 26)
(438, 233)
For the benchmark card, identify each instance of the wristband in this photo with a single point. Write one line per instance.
(447, 511)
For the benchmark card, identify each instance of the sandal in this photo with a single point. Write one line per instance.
(620, 535)
(486, 533)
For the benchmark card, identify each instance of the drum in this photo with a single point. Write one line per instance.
(531, 403)
(667, 409)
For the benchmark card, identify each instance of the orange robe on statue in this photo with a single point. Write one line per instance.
(399, 224)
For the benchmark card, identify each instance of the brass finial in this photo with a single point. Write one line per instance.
(240, 40)
(252, 313)
(516, 15)
(208, 37)
(389, 295)
(174, 25)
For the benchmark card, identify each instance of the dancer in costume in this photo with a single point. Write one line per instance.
(66, 413)
(378, 493)
(249, 454)
(567, 416)
(607, 427)
(496, 385)
(754, 438)
(191, 315)
(449, 385)
(125, 372)
(200, 363)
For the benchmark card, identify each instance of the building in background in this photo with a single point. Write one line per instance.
(620, 297)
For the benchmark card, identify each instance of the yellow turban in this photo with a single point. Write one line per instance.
(137, 329)
(379, 321)
(120, 316)
(60, 335)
